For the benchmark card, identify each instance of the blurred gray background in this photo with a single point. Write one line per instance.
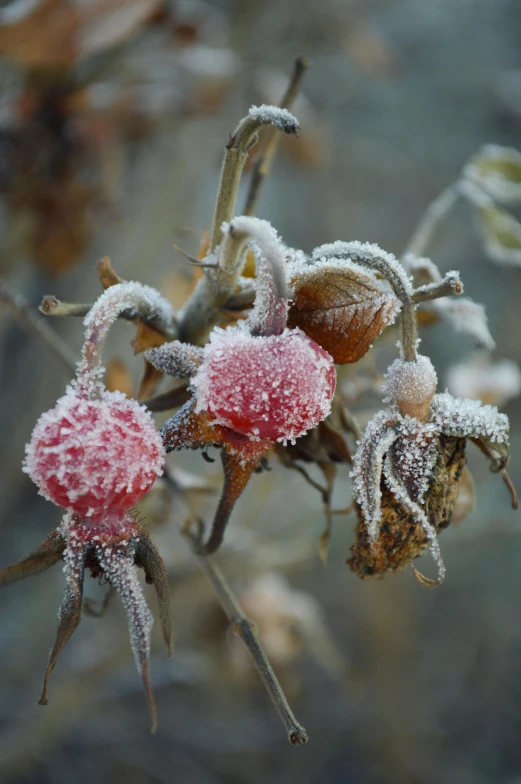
(392, 682)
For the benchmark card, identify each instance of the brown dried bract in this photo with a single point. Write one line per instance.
(343, 310)
(401, 538)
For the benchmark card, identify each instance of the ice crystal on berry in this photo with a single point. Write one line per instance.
(276, 387)
(95, 457)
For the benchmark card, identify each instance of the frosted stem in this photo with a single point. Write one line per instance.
(450, 285)
(272, 138)
(269, 313)
(212, 291)
(235, 156)
(130, 296)
(431, 218)
(246, 630)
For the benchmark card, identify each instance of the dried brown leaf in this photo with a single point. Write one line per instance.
(107, 274)
(149, 380)
(118, 378)
(343, 309)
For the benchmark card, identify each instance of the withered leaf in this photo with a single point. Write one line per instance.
(342, 307)
(107, 274)
(149, 380)
(117, 377)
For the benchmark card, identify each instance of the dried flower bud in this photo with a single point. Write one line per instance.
(411, 385)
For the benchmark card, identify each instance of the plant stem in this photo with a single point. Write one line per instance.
(449, 286)
(133, 297)
(245, 628)
(431, 218)
(217, 284)
(272, 138)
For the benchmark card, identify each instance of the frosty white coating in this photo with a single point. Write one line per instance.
(131, 296)
(279, 379)
(403, 450)
(274, 115)
(94, 449)
(411, 382)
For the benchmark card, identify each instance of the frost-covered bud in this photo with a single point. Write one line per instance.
(274, 387)
(95, 457)
(411, 385)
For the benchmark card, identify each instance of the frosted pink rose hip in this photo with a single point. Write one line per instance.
(95, 457)
(275, 387)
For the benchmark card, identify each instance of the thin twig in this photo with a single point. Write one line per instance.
(245, 628)
(272, 138)
(431, 218)
(200, 313)
(189, 259)
(33, 323)
(449, 286)
(52, 306)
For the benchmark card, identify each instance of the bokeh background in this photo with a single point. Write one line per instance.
(113, 117)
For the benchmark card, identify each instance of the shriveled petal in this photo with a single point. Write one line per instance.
(69, 614)
(469, 419)
(147, 556)
(378, 437)
(47, 553)
(119, 569)
(188, 430)
(398, 489)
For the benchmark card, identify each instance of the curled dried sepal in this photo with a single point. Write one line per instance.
(147, 556)
(49, 552)
(401, 537)
(403, 499)
(341, 305)
(176, 358)
(190, 429)
(118, 567)
(367, 469)
(69, 614)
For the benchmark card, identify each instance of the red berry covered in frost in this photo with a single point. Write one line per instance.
(95, 457)
(274, 387)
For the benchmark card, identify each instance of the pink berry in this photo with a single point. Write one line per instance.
(274, 387)
(95, 457)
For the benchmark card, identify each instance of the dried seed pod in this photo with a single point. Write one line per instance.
(401, 537)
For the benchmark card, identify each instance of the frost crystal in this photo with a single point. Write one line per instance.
(411, 382)
(468, 418)
(129, 296)
(403, 450)
(276, 387)
(95, 457)
(367, 254)
(274, 115)
(118, 567)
